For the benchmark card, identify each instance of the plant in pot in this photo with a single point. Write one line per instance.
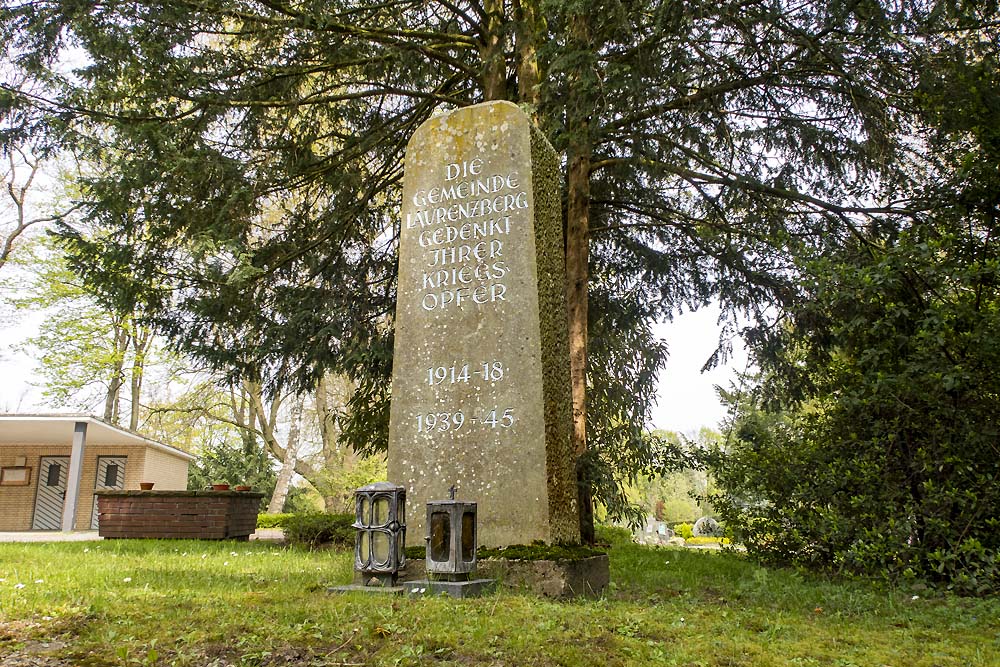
(220, 486)
(242, 487)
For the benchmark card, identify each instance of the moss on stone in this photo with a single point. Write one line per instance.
(415, 553)
(564, 525)
(540, 552)
(537, 551)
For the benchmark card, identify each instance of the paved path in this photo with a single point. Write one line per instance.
(50, 536)
(271, 534)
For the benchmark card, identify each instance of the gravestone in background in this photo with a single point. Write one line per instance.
(480, 380)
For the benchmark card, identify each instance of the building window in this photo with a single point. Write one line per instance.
(111, 475)
(52, 477)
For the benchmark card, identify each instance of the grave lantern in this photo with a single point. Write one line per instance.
(380, 521)
(451, 542)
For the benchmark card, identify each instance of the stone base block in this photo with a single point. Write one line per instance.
(456, 589)
(411, 571)
(560, 579)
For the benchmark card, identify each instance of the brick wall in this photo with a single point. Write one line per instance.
(17, 503)
(143, 464)
(166, 471)
(208, 515)
(134, 456)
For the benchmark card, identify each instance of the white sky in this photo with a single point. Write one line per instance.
(16, 371)
(687, 399)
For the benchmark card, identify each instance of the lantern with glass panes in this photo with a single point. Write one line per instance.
(380, 522)
(451, 542)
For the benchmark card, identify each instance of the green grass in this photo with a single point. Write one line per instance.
(242, 604)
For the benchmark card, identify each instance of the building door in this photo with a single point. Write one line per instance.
(53, 471)
(110, 477)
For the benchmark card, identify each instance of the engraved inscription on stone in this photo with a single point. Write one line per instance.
(468, 404)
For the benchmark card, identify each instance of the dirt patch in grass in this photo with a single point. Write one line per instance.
(15, 631)
(29, 658)
(20, 648)
(219, 654)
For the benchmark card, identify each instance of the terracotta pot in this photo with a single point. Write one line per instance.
(220, 487)
(242, 487)
(146, 486)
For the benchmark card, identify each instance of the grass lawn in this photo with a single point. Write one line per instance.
(214, 604)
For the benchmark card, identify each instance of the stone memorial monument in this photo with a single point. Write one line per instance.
(480, 379)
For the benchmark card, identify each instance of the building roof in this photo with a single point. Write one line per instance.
(48, 429)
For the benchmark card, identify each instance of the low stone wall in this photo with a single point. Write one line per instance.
(560, 579)
(203, 515)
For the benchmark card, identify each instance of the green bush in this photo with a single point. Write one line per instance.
(698, 541)
(613, 535)
(312, 530)
(684, 530)
(273, 520)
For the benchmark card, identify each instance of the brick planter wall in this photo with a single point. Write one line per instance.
(202, 515)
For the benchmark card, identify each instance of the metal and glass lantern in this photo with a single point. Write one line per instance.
(380, 521)
(451, 542)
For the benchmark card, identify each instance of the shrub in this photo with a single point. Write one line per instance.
(273, 520)
(613, 535)
(684, 530)
(698, 541)
(312, 530)
(672, 525)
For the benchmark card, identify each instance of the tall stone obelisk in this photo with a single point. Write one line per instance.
(480, 380)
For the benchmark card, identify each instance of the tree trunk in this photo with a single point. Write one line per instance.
(529, 29)
(492, 52)
(112, 402)
(577, 264)
(141, 340)
(333, 504)
(288, 465)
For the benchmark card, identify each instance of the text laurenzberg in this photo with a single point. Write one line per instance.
(463, 225)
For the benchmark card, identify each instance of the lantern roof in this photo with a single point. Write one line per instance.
(379, 486)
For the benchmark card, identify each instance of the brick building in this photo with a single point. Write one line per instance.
(51, 465)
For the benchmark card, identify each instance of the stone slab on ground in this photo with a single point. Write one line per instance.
(268, 535)
(457, 589)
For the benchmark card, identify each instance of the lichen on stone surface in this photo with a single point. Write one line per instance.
(532, 552)
(540, 552)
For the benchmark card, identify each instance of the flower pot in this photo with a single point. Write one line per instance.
(220, 487)
(242, 487)
(146, 486)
